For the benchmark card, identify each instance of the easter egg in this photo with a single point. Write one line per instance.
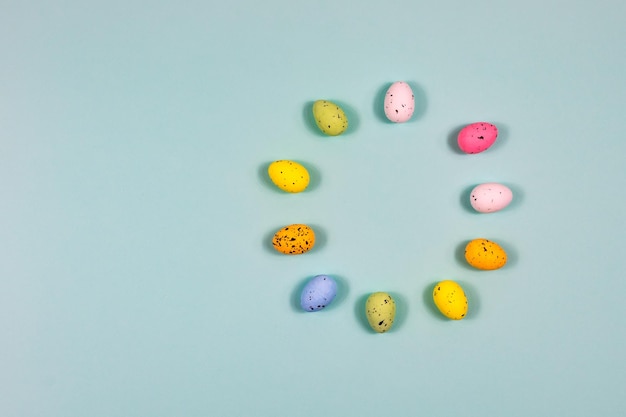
(485, 254)
(294, 239)
(380, 310)
(450, 299)
(399, 102)
(318, 292)
(490, 197)
(289, 176)
(329, 117)
(477, 137)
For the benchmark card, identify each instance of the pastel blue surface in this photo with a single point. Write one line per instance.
(136, 277)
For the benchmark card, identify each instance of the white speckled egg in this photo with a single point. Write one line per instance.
(318, 293)
(490, 197)
(399, 102)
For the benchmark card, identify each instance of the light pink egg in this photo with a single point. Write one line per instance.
(399, 102)
(477, 137)
(490, 197)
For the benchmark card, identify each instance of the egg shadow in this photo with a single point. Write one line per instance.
(421, 102)
(419, 108)
(320, 240)
(379, 104)
(321, 237)
(309, 120)
(429, 303)
(512, 256)
(399, 319)
(502, 139)
(473, 300)
(459, 256)
(350, 112)
(402, 311)
(518, 196)
(342, 293)
(465, 199)
(359, 313)
(453, 140)
(265, 179)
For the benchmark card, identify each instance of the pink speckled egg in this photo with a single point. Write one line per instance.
(477, 137)
(490, 197)
(399, 102)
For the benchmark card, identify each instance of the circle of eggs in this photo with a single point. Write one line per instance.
(399, 102)
(318, 293)
(450, 299)
(490, 197)
(477, 137)
(329, 117)
(294, 239)
(289, 176)
(380, 310)
(485, 254)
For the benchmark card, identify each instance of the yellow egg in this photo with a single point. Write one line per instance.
(289, 176)
(294, 239)
(450, 299)
(380, 310)
(329, 117)
(485, 254)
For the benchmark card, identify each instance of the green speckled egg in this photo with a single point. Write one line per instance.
(329, 117)
(380, 310)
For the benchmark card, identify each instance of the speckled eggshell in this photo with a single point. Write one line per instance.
(380, 310)
(477, 137)
(289, 176)
(485, 254)
(450, 299)
(490, 197)
(294, 239)
(399, 102)
(329, 117)
(318, 293)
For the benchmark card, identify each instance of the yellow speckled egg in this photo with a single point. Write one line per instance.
(294, 239)
(380, 310)
(289, 176)
(329, 117)
(450, 299)
(485, 254)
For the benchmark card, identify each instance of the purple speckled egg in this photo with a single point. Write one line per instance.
(399, 102)
(318, 293)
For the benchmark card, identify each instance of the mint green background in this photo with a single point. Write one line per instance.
(136, 278)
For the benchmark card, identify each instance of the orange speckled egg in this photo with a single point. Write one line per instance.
(485, 254)
(294, 239)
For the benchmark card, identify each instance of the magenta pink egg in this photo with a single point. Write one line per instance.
(477, 137)
(399, 102)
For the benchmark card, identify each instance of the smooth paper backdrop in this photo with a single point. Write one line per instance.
(136, 277)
